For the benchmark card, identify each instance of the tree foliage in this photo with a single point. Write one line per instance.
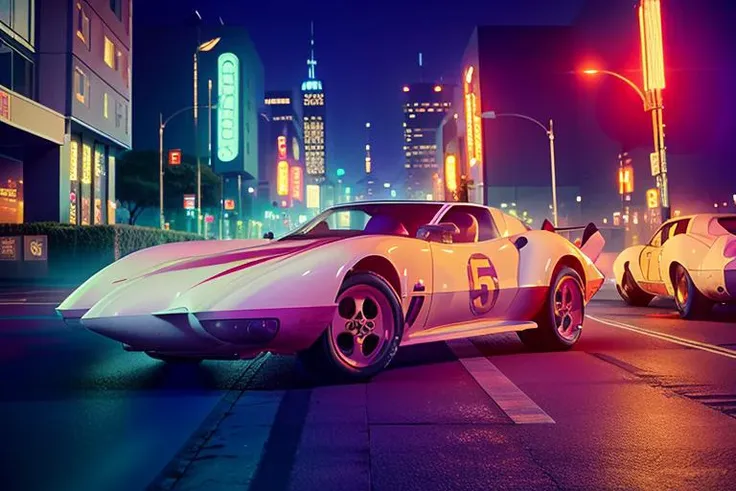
(137, 182)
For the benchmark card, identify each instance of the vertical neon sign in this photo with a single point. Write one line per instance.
(228, 107)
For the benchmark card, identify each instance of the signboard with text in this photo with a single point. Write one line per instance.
(190, 201)
(35, 248)
(229, 204)
(175, 157)
(4, 105)
(10, 248)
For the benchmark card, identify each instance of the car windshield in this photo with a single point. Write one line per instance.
(402, 219)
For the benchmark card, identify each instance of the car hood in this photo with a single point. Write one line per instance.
(189, 284)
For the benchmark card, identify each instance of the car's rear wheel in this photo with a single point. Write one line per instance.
(173, 359)
(631, 293)
(561, 318)
(364, 334)
(691, 304)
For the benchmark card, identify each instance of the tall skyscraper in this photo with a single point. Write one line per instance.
(282, 167)
(314, 111)
(425, 105)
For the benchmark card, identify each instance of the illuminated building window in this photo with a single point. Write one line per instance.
(83, 25)
(81, 86)
(109, 53)
(104, 105)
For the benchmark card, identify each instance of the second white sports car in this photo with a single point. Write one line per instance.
(692, 259)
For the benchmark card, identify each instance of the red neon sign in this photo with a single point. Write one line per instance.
(175, 157)
(281, 141)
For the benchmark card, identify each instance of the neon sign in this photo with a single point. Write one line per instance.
(282, 178)
(296, 183)
(228, 116)
(281, 143)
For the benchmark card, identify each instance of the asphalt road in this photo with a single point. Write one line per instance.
(644, 401)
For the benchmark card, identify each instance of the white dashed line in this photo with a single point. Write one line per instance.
(511, 399)
(710, 348)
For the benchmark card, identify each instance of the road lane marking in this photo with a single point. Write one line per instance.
(19, 302)
(511, 399)
(710, 348)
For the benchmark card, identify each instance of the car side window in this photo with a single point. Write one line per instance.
(666, 233)
(475, 223)
(657, 238)
(681, 226)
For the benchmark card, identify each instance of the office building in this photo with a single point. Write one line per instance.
(282, 168)
(424, 105)
(84, 73)
(314, 111)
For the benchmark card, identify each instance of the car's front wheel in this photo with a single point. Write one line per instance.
(364, 334)
(691, 304)
(631, 293)
(561, 319)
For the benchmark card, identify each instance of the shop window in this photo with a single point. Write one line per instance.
(110, 53)
(6, 65)
(11, 191)
(81, 86)
(83, 25)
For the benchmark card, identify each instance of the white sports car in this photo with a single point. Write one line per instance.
(692, 259)
(347, 288)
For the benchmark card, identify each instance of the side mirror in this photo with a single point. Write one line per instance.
(268, 235)
(442, 232)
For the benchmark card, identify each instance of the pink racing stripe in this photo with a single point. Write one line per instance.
(281, 254)
(230, 257)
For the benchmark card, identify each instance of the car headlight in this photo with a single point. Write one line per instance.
(243, 331)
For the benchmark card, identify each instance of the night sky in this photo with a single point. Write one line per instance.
(367, 50)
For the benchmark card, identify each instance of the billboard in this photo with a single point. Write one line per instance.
(282, 178)
(312, 196)
(296, 183)
(228, 107)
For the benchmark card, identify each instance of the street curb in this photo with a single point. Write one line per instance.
(175, 470)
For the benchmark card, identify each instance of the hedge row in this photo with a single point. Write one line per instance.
(76, 252)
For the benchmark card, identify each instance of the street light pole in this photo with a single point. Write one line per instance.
(204, 47)
(161, 169)
(196, 144)
(551, 135)
(161, 127)
(550, 132)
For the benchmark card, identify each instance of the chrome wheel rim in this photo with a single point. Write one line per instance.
(681, 289)
(362, 327)
(568, 301)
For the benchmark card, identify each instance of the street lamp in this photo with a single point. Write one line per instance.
(161, 127)
(652, 57)
(203, 48)
(551, 135)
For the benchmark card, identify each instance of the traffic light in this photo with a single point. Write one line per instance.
(652, 198)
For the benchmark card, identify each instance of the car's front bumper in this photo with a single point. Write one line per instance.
(224, 333)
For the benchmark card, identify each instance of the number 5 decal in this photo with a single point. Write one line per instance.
(483, 284)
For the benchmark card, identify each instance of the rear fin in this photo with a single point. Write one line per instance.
(592, 242)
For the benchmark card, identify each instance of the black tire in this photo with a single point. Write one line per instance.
(556, 333)
(631, 293)
(328, 358)
(173, 359)
(690, 302)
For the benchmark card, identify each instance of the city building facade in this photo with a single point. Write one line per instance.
(31, 134)
(425, 106)
(84, 73)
